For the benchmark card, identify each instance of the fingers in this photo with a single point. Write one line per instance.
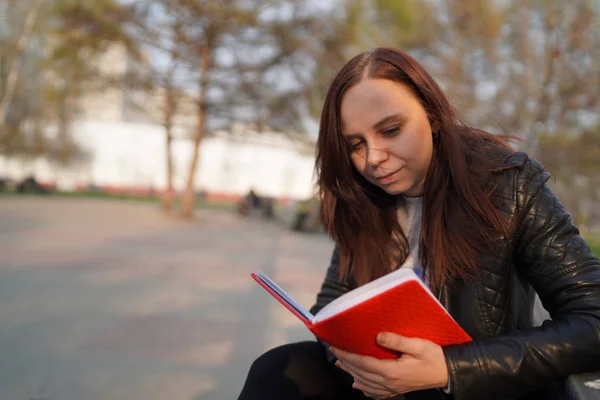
(368, 378)
(363, 363)
(366, 382)
(401, 344)
(372, 393)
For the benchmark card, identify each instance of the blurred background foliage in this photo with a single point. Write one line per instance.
(529, 68)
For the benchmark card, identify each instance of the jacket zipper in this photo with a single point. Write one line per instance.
(439, 296)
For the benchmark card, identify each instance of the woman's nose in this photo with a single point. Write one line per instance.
(376, 156)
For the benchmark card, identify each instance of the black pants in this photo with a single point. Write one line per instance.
(301, 371)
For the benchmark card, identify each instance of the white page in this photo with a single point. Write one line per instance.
(283, 294)
(369, 290)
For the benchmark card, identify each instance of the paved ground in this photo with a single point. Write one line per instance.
(111, 300)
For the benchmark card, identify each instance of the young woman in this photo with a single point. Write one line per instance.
(400, 174)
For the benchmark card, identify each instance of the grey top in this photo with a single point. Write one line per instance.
(410, 216)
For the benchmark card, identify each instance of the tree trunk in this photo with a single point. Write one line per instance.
(64, 124)
(168, 197)
(170, 109)
(189, 195)
(14, 70)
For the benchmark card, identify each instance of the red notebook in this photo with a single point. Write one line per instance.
(397, 302)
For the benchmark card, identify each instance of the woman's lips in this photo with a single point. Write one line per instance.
(389, 178)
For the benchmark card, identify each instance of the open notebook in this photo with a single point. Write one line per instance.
(397, 302)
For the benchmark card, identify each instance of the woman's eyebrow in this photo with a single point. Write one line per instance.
(387, 120)
(378, 125)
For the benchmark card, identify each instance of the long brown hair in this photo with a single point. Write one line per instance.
(460, 216)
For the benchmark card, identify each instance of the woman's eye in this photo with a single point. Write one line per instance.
(391, 131)
(356, 145)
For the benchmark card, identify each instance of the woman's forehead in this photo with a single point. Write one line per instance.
(370, 101)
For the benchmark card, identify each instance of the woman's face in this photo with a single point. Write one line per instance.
(389, 135)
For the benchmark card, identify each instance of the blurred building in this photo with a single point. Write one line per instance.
(121, 132)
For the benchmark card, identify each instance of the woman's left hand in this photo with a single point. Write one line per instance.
(422, 365)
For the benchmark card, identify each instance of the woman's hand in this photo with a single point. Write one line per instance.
(422, 365)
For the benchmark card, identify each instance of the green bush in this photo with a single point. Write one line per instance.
(594, 242)
(596, 250)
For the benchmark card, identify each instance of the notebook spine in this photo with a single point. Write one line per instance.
(301, 317)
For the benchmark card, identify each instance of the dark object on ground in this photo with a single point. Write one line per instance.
(30, 185)
(299, 219)
(307, 216)
(266, 205)
(93, 188)
(252, 202)
(7, 184)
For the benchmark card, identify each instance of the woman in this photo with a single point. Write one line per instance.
(399, 174)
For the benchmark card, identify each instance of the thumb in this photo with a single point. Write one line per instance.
(402, 344)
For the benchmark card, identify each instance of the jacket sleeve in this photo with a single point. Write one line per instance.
(332, 288)
(560, 266)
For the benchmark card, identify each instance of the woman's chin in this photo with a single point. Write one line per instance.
(395, 188)
(402, 188)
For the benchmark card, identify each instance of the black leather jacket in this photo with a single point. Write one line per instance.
(545, 254)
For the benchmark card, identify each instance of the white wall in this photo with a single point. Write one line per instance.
(133, 155)
(234, 167)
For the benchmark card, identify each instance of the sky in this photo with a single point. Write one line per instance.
(285, 81)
